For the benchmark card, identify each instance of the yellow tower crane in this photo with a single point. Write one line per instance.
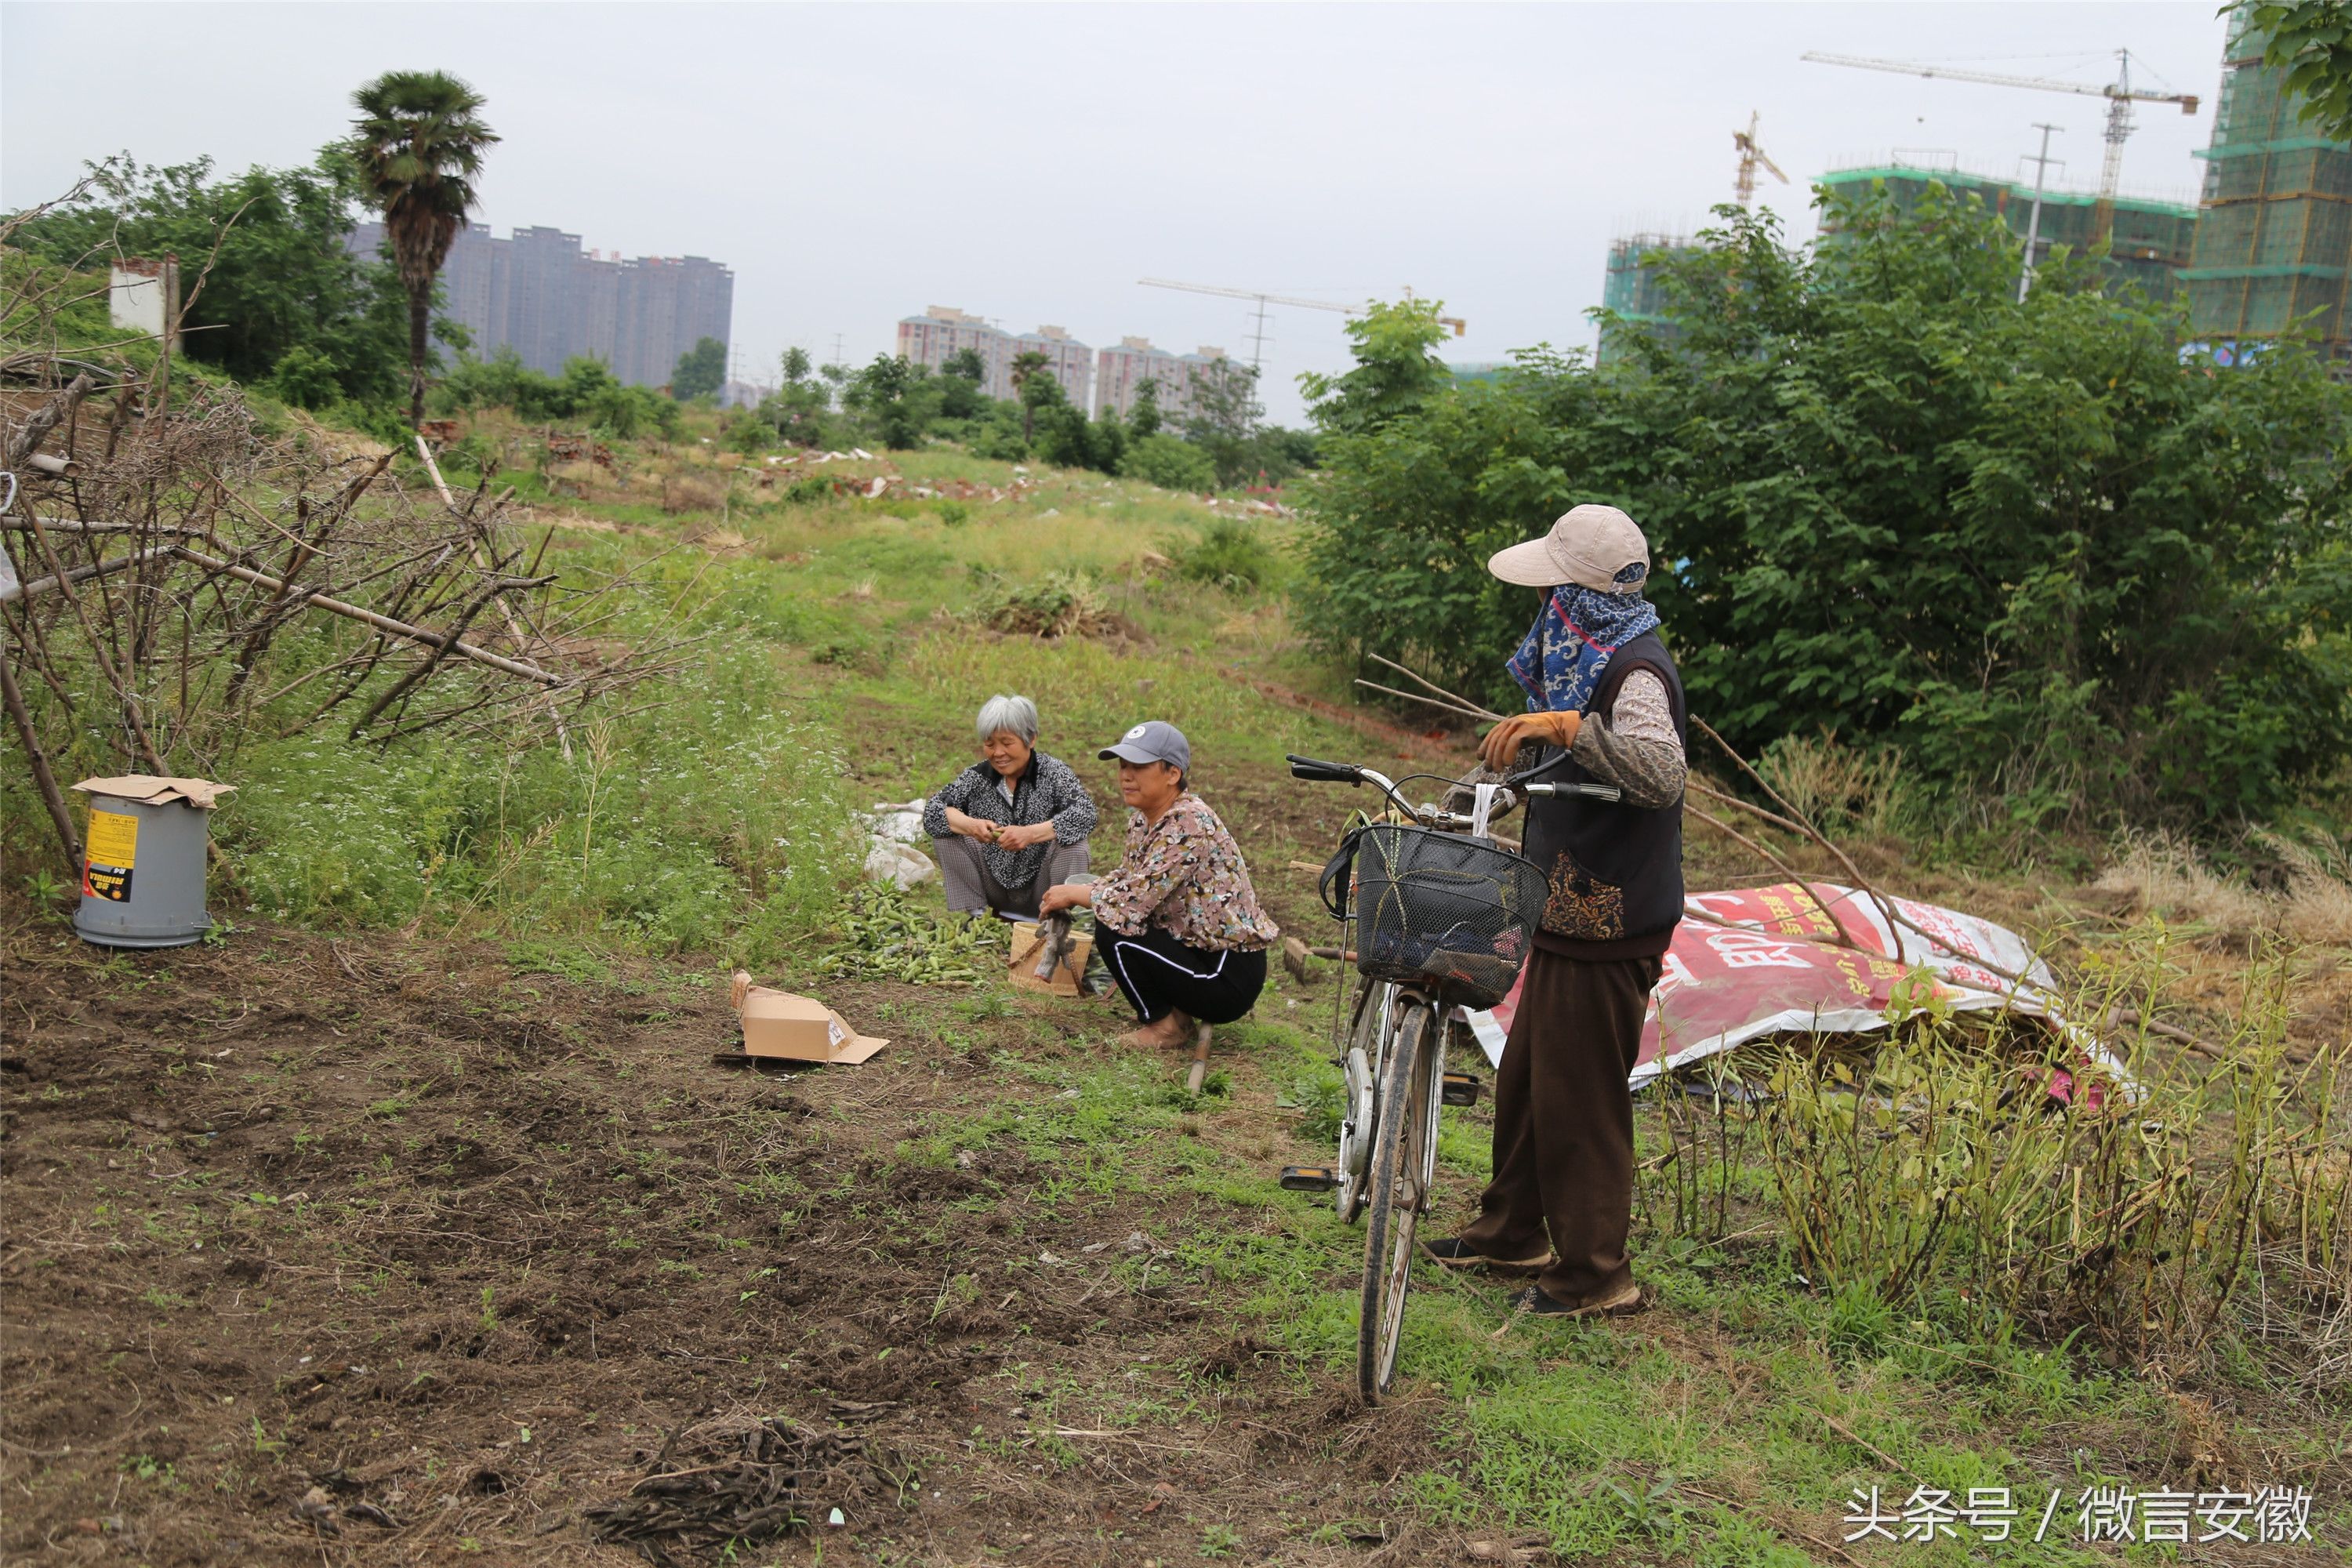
(1752, 158)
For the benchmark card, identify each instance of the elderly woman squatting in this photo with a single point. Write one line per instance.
(1012, 824)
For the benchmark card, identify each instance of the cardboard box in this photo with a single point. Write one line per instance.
(1024, 970)
(799, 1028)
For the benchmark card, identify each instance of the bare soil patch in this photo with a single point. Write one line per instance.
(376, 1250)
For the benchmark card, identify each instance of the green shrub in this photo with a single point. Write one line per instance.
(1228, 552)
(1169, 461)
(2027, 543)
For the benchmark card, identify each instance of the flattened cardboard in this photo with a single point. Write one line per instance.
(799, 1028)
(202, 794)
(1023, 972)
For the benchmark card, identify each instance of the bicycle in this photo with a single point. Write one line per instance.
(1442, 918)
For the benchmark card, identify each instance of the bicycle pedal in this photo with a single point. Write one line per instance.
(1459, 1088)
(1308, 1178)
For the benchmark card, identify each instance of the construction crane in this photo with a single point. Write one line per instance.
(1751, 158)
(1258, 335)
(2120, 95)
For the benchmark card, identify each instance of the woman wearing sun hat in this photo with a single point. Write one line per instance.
(1602, 688)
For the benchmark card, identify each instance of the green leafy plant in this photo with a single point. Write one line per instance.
(1228, 554)
(2061, 568)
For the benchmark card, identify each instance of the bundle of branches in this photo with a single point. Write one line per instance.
(747, 1483)
(176, 582)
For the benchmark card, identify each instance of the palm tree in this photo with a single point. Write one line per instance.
(1027, 365)
(418, 142)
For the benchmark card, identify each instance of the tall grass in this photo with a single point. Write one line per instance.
(1996, 1181)
(714, 822)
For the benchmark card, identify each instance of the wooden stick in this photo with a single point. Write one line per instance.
(1455, 697)
(78, 573)
(36, 426)
(385, 624)
(42, 777)
(1415, 697)
(514, 629)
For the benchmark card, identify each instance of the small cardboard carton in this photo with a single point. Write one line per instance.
(799, 1028)
(1023, 974)
(202, 794)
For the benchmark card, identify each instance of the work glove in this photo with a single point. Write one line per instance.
(1503, 741)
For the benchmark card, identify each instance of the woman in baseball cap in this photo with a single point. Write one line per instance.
(1180, 926)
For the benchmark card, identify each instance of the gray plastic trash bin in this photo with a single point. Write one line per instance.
(143, 861)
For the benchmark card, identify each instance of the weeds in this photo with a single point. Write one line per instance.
(1061, 604)
(1227, 553)
(2001, 1181)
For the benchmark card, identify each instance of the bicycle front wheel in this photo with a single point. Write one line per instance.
(1397, 1190)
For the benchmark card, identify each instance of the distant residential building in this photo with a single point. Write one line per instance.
(942, 331)
(1067, 361)
(542, 295)
(1121, 371)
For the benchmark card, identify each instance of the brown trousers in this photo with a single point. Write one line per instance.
(1564, 1123)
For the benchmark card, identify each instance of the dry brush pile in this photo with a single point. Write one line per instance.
(180, 582)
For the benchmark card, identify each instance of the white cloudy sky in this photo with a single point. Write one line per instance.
(855, 163)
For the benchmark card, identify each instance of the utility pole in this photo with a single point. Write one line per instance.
(836, 347)
(1257, 336)
(2034, 218)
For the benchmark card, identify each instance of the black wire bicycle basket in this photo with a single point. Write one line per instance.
(1450, 914)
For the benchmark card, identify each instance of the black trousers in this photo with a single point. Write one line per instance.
(1564, 1123)
(1157, 975)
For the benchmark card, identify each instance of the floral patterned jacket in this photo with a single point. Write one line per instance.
(1183, 874)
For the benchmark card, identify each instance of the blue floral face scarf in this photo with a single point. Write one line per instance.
(1561, 662)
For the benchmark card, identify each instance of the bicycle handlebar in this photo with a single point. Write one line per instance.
(1323, 773)
(1310, 769)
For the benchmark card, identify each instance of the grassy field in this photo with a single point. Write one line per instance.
(410, 1221)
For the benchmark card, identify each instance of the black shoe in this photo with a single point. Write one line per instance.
(1622, 1303)
(1453, 1252)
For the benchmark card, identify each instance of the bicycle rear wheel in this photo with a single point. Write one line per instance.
(1403, 1153)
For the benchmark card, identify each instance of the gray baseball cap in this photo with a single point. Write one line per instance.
(1151, 741)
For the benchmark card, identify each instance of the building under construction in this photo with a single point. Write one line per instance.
(2274, 241)
(1634, 289)
(2151, 241)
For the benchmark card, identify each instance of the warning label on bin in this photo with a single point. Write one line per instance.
(114, 849)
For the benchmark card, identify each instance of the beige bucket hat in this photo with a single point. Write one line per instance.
(1596, 546)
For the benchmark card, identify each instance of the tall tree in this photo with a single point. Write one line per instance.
(700, 369)
(1220, 417)
(1143, 419)
(418, 146)
(795, 365)
(1028, 365)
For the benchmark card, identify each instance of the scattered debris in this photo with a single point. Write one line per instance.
(752, 1483)
(902, 866)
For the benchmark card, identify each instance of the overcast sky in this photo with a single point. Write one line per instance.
(855, 164)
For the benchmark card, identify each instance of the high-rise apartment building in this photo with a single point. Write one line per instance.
(542, 295)
(1121, 371)
(942, 331)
